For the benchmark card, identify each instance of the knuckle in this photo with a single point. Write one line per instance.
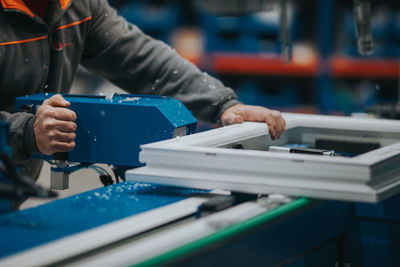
(47, 125)
(56, 97)
(46, 101)
(41, 108)
(48, 112)
(276, 114)
(51, 134)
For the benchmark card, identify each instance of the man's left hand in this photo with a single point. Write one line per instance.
(240, 113)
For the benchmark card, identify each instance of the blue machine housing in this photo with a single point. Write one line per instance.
(111, 130)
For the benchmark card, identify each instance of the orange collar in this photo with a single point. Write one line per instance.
(20, 5)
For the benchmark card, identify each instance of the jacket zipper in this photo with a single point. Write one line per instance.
(47, 53)
(46, 56)
(46, 61)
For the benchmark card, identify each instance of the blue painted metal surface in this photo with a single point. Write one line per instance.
(319, 235)
(308, 237)
(388, 209)
(111, 131)
(376, 244)
(26, 229)
(379, 229)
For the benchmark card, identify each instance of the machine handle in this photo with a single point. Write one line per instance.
(61, 156)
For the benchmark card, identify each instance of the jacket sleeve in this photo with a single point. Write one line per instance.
(21, 137)
(137, 63)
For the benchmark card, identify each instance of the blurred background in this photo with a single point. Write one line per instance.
(326, 75)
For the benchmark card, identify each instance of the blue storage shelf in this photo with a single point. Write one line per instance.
(332, 30)
(255, 93)
(249, 34)
(159, 21)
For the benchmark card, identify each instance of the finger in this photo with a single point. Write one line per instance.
(277, 127)
(62, 126)
(62, 146)
(63, 114)
(228, 119)
(65, 126)
(279, 123)
(57, 101)
(270, 121)
(282, 124)
(64, 137)
(239, 118)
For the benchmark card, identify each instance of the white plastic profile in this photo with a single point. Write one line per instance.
(205, 161)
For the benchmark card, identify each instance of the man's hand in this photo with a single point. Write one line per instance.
(54, 126)
(240, 113)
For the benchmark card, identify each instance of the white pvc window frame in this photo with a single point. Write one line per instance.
(201, 161)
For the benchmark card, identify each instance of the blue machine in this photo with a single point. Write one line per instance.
(302, 232)
(111, 130)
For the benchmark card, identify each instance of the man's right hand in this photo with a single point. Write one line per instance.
(54, 126)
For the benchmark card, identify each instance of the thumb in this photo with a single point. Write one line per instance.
(57, 101)
(231, 118)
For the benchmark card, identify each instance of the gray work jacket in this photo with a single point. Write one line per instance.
(39, 55)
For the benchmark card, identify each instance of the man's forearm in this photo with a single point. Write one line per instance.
(21, 137)
(139, 64)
